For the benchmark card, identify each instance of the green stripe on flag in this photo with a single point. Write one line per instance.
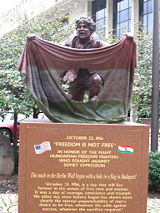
(125, 151)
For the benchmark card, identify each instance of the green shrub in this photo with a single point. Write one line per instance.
(154, 170)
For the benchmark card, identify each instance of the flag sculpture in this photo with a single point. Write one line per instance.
(43, 63)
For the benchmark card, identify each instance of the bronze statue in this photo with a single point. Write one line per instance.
(105, 71)
(79, 79)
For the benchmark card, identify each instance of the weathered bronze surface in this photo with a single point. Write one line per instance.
(83, 81)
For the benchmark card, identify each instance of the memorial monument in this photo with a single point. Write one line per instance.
(83, 159)
(106, 72)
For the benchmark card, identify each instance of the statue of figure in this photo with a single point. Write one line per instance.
(79, 79)
(105, 71)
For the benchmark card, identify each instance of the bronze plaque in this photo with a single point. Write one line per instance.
(83, 168)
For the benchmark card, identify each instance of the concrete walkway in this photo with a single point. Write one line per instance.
(153, 205)
(9, 204)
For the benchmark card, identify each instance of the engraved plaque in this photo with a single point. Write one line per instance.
(83, 168)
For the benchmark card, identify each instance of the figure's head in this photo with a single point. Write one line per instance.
(85, 26)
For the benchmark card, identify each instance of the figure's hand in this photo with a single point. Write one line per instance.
(30, 37)
(129, 35)
(70, 76)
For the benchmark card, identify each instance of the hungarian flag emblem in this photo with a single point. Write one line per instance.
(125, 149)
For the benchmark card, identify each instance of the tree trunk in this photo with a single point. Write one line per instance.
(134, 113)
(35, 113)
(15, 147)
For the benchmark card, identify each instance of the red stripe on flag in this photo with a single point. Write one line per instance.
(127, 146)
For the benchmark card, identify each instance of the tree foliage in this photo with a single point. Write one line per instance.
(154, 170)
(14, 95)
(142, 86)
(142, 90)
(53, 26)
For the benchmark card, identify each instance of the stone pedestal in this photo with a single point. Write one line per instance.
(7, 159)
(83, 168)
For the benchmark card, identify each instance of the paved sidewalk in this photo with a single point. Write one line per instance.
(153, 205)
(9, 204)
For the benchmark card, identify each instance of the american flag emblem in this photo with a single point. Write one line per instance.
(43, 147)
